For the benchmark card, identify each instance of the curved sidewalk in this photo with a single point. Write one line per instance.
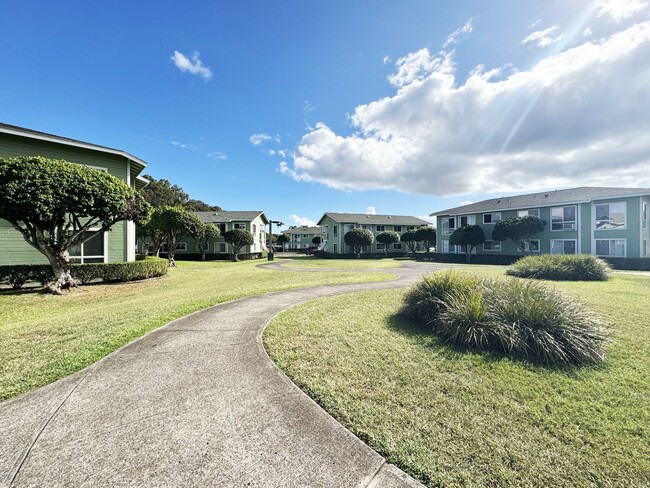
(194, 403)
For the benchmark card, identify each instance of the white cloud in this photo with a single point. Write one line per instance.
(300, 221)
(544, 37)
(387, 59)
(182, 145)
(459, 34)
(194, 66)
(587, 32)
(534, 23)
(618, 10)
(307, 107)
(371, 211)
(217, 155)
(257, 139)
(553, 125)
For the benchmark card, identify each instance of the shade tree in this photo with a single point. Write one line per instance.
(358, 239)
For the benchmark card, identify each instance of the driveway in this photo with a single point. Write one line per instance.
(194, 403)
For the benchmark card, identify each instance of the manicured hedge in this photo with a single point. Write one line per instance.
(18, 275)
(518, 318)
(216, 257)
(561, 267)
(634, 264)
(498, 259)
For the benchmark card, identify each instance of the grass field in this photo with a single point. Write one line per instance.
(45, 337)
(454, 418)
(351, 264)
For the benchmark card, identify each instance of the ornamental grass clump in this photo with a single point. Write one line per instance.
(426, 299)
(521, 319)
(561, 267)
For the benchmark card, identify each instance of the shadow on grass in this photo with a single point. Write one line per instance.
(425, 336)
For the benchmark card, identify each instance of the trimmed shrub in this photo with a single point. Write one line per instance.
(561, 267)
(521, 319)
(426, 299)
(18, 275)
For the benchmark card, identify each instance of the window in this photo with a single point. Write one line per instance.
(532, 212)
(239, 226)
(610, 215)
(379, 246)
(381, 228)
(398, 228)
(563, 246)
(491, 218)
(181, 246)
(531, 246)
(644, 249)
(610, 247)
(644, 215)
(448, 225)
(563, 218)
(91, 251)
(254, 228)
(445, 247)
(492, 246)
(466, 220)
(397, 246)
(222, 228)
(220, 247)
(335, 229)
(305, 235)
(335, 247)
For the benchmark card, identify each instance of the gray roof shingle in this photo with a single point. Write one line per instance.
(543, 199)
(230, 216)
(303, 230)
(375, 219)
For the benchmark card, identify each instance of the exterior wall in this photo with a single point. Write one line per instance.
(585, 233)
(119, 243)
(328, 224)
(302, 240)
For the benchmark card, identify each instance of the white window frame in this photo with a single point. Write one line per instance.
(644, 248)
(397, 228)
(380, 228)
(596, 204)
(82, 257)
(470, 219)
(563, 241)
(446, 247)
(238, 225)
(493, 220)
(494, 245)
(610, 247)
(379, 246)
(217, 248)
(526, 244)
(527, 213)
(644, 214)
(449, 229)
(564, 222)
(397, 246)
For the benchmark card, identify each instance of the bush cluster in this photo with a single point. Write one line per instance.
(521, 319)
(564, 267)
(18, 275)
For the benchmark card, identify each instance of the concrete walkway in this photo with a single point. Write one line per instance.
(195, 403)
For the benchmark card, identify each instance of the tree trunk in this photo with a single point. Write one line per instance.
(202, 252)
(468, 254)
(235, 252)
(60, 264)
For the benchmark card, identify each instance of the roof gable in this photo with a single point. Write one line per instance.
(231, 216)
(374, 219)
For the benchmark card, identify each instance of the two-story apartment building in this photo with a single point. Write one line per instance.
(335, 225)
(116, 245)
(302, 237)
(607, 222)
(254, 221)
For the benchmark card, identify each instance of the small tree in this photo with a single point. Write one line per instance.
(520, 230)
(238, 238)
(174, 223)
(358, 238)
(54, 204)
(317, 240)
(206, 232)
(150, 235)
(411, 241)
(427, 236)
(468, 237)
(387, 238)
(284, 239)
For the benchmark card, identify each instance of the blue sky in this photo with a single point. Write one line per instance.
(406, 107)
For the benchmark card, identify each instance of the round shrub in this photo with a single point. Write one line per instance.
(561, 267)
(426, 299)
(522, 319)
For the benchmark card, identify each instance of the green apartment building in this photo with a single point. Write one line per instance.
(118, 244)
(335, 225)
(302, 237)
(607, 222)
(254, 221)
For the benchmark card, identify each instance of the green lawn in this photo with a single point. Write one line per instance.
(45, 337)
(452, 418)
(352, 264)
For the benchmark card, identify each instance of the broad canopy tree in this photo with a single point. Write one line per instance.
(317, 240)
(409, 238)
(358, 238)
(520, 230)
(57, 205)
(204, 233)
(238, 238)
(387, 238)
(284, 239)
(467, 237)
(427, 236)
(174, 223)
